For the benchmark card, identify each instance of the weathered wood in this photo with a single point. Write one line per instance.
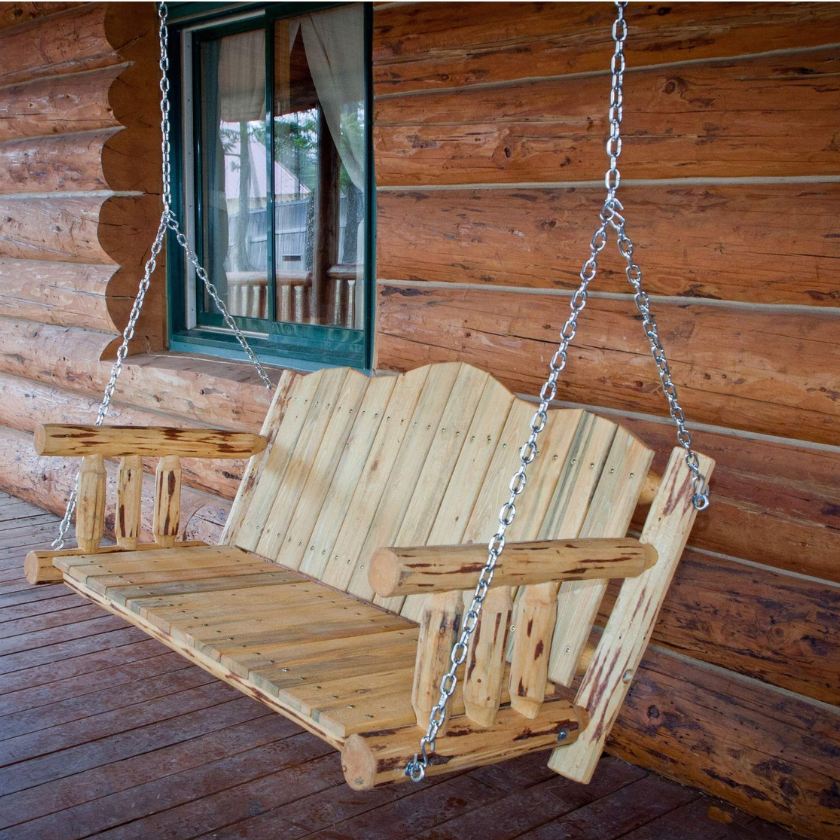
(167, 515)
(14, 14)
(440, 626)
(485, 664)
(420, 325)
(535, 130)
(628, 631)
(119, 441)
(466, 236)
(38, 566)
(380, 757)
(422, 47)
(90, 504)
(431, 568)
(129, 500)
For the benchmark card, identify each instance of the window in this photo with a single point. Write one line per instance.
(274, 161)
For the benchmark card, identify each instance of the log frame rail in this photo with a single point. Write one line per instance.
(511, 698)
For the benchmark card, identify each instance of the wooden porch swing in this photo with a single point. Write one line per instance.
(368, 507)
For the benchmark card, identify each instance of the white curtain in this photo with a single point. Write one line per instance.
(242, 77)
(334, 47)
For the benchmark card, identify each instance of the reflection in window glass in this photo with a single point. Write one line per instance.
(306, 265)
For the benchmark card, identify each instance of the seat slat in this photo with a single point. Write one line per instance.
(347, 536)
(294, 543)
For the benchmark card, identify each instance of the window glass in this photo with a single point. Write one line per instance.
(281, 206)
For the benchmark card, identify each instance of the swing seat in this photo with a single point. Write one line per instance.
(337, 590)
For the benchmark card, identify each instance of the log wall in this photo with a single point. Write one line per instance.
(489, 143)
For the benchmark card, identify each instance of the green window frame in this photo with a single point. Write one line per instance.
(287, 344)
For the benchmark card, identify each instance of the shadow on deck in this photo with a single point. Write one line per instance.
(106, 733)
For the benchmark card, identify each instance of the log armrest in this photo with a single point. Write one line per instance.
(435, 568)
(146, 441)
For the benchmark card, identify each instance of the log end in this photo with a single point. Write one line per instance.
(384, 572)
(40, 441)
(358, 763)
(38, 568)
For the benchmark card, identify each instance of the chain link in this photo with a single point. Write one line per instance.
(167, 222)
(610, 218)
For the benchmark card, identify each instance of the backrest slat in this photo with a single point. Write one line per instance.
(289, 492)
(609, 515)
(349, 535)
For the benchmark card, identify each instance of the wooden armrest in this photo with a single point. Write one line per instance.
(440, 568)
(154, 441)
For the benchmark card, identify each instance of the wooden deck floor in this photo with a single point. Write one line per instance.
(105, 733)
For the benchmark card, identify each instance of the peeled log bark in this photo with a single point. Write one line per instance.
(47, 482)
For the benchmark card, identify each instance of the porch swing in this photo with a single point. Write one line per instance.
(375, 649)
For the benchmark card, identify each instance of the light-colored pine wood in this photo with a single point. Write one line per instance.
(295, 544)
(299, 414)
(435, 568)
(448, 513)
(395, 430)
(429, 488)
(609, 515)
(118, 441)
(167, 514)
(628, 631)
(579, 477)
(485, 665)
(650, 488)
(271, 428)
(440, 626)
(289, 492)
(90, 504)
(388, 516)
(378, 758)
(129, 499)
(374, 411)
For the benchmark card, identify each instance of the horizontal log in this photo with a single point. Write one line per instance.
(779, 628)
(14, 14)
(59, 106)
(86, 37)
(64, 294)
(773, 502)
(753, 370)
(156, 441)
(753, 117)
(421, 46)
(48, 483)
(434, 568)
(108, 159)
(380, 757)
(25, 404)
(205, 391)
(757, 243)
(38, 566)
(769, 752)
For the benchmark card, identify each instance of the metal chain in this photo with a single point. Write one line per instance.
(167, 222)
(610, 217)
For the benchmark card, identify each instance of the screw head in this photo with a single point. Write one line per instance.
(562, 735)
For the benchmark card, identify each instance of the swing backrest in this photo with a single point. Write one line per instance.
(357, 463)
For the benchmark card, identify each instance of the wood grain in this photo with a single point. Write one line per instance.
(14, 14)
(762, 372)
(753, 117)
(773, 752)
(756, 243)
(417, 46)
